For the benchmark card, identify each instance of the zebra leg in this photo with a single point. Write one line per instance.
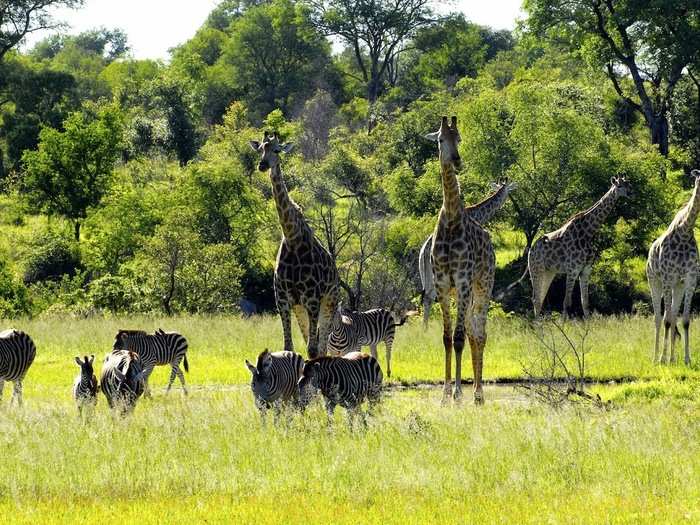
(388, 344)
(146, 387)
(17, 393)
(180, 375)
(330, 409)
(373, 351)
(2, 386)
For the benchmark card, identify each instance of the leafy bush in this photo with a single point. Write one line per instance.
(53, 256)
(14, 299)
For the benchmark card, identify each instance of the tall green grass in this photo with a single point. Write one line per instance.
(619, 348)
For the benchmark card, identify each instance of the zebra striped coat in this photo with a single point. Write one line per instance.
(346, 381)
(85, 385)
(275, 378)
(159, 348)
(17, 353)
(351, 331)
(122, 380)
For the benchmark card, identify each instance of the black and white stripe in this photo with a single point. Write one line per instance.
(346, 381)
(159, 348)
(122, 380)
(275, 379)
(85, 385)
(17, 353)
(351, 331)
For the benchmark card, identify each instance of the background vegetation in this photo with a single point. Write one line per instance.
(128, 186)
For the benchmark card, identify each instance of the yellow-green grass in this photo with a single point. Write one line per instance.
(619, 348)
(208, 457)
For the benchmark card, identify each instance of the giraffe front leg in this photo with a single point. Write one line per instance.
(477, 342)
(690, 283)
(312, 347)
(328, 307)
(284, 309)
(678, 292)
(444, 299)
(584, 279)
(464, 300)
(568, 296)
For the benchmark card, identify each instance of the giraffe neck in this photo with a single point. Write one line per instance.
(451, 194)
(689, 214)
(484, 211)
(291, 219)
(596, 214)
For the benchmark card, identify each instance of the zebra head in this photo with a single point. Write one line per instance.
(308, 384)
(341, 318)
(86, 366)
(260, 382)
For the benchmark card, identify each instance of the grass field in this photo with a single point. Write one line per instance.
(209, 457)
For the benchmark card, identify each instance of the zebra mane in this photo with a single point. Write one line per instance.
(131, 332)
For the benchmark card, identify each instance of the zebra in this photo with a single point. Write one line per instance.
(122, 380)
(275, 379)
(346, 381)
(351, 331)
(160, 348)
(17, 353)
(85, 386)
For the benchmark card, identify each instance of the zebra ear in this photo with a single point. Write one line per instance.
(250, 367)
(77, 360)
(92, 358)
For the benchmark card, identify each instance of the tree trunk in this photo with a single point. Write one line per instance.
(76, 231)
(659, 133)
(372, 96)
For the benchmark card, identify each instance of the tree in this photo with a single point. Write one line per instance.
(375, 30)
(283, 69)
(70, 170)
(18, 18)
(653, 42)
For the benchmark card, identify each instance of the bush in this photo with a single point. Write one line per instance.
(14, 300)
(113, 293)
(53, 257)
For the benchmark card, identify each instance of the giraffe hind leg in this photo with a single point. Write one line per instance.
(329, 304)
(687, 301)
(303, 321)
(656, 296)
(464, 299)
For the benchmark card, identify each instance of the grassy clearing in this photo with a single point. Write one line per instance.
(209, 457)
(619, 347)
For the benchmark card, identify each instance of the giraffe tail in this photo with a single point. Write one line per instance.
(500, 295)
(405, 317)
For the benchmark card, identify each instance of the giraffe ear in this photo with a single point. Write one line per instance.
(287, 147)
(695, 173)
(432, 136)
(254, 144)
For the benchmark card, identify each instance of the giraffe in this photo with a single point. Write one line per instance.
(672, 271)
(571, 250)
(463, 262)
(306, 279)
(482, 213)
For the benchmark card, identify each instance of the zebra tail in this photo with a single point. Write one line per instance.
(187, 365)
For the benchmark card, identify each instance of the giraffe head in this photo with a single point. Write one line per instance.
(448, 140)
(504, 182)
(270, 149)
(621, 186)
(696, 175)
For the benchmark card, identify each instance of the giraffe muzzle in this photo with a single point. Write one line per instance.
(263, 166)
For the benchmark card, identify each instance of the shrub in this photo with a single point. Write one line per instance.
(53, 257)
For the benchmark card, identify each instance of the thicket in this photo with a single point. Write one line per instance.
(130, 187)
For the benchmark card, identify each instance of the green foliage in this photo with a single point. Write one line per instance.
(284, 68)
(14, 299)
(70, 170)
(52, 257)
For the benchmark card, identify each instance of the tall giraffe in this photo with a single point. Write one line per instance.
(306, 279)
(482, 212)
(571, 250)
(672, 271)
(463, 262)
